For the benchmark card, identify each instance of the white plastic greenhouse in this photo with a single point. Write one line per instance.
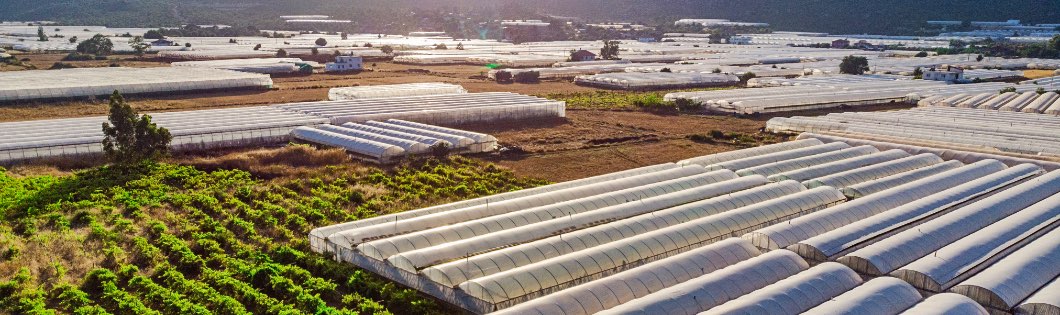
(877, 185)
(879, 296)
(192, 131)
(410, 146)
(1045, 301)
(435, 109)
(393, 90)
(216, 54)
(641, 282)
(795, 294)
(969, 255)
(905, 247)
(709, 160)
(1016, 277)
(72, 83)
(798, 229)
(660, 80)
(378, 151)
(946, 304)
(257, 65)
(867, 229)
(714, 287)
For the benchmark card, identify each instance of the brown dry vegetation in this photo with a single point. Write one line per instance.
(1038, 74)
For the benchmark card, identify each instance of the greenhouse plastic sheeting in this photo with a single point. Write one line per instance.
(394, 90)
(68, 83)
(795, 294)
(435, 109)
(946, 304)
(880, 296)
(1018, 276)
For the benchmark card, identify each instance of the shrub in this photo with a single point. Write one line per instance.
(687, 105)
(1007, 90)
(527, 77)
(60, 65)
(440, 150)
(666, 70)
(504, 76)
(321, 42)
(921, 54)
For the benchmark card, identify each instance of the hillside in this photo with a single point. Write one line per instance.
(834, 16)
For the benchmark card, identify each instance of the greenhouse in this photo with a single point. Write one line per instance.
(83, 82)
(1045, 301)
(191, 130)
(447, 109)
(879, 296)
(798, 229)
(905, 247)
(393, 90)
(216, 54)
(256, 65)
(715, 288)
(661, 239)
(661, 80)
(946, 304)
(868, 228)
(372, 150)
(1013, 279)
(795, 294)
(959, 259)
(804, 97)
(1009, 133)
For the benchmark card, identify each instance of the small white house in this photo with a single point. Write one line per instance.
(345, 63)
(740, 40)
(947, 75)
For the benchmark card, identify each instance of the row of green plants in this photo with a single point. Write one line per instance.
(621, 100)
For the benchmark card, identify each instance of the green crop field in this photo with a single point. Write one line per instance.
(224, 235)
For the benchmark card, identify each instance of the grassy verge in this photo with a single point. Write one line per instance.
(619, 100)
(214, 235)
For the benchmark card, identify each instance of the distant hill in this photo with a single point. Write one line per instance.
(833, 16)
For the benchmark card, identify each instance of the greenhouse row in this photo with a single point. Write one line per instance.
(795, 98)
(1027, 102)
(393, 140)
(191, 130)
(216, 54)
(660, 80)
(253, 65)
(660, 239)
(392, 90)
(446, 109)
(84, 82)
(1002, 132)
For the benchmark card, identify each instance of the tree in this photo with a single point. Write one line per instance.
(856, 65)
(368, 45)
(918, 73)
(139, 46)
(441, 46)
(40, 34)
(154, 34)
(98, 45)
(387, 49)
(921, 54)
(281, 53)
(667, 70)
(321, 42)
(979, 58)
(187, 45)
(314, 51)
(527, 77)
(503, 76)
(460, 46)
(344, 36)
(73, 40)
(610, 50)
(1040, 90)
(747, 76)
(257, 47)
(130, 138)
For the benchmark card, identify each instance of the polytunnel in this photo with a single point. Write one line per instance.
(808, 161)
(318, 237)
(771, 157)
(1016, 277)
(384, 248)
(456, 272)
(879, 296)
(1045, 301)
(795, 294)
(1017, 103)
(368, 233)
(561, 271)
(868, 188)
(583, 208)
(969, 255)
(378, 151)
(478, 137)
(457, 140)
(751, 152)
(529, 232)
(641, 282)
(392, 90)
(397, 134)
(808, 173)
(411, 147)
(1041, 103)
(872, 172)
(900, 249)
(801, 228)
(854, 235)
(946, 304)
(715, 288)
